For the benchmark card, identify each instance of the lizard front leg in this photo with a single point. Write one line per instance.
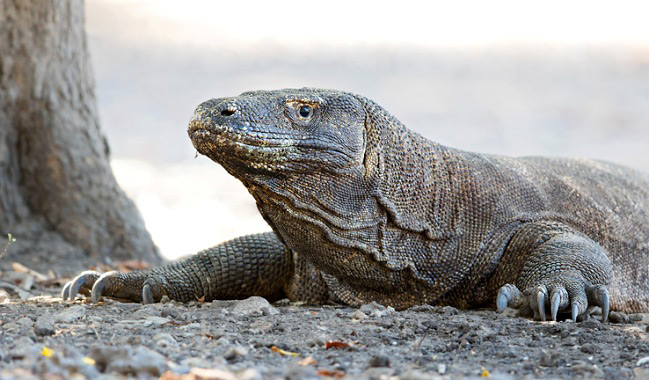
(563, 271)
(250, 265)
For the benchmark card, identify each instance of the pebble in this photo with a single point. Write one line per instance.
(296, 372)
(316, 341)
(23, 346)
(25, 323)
(44, 325)
(618, 317)
(254, 306)
(588, 348)
(191, 326)
(223, 304)
(165, 340)
(359, 315)
(261, 327)
(250, 374)
(70, 314)
(376, 310)
(157, 321)
(129, 361)
(379, 361)
(235, 352)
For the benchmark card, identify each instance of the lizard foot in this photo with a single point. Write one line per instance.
(134, 286)
(574, 296)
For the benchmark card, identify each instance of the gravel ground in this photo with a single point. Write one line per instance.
(43, 337)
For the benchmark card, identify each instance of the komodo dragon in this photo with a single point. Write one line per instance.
(363, 209)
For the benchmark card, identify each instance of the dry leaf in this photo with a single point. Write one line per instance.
(309, 360)
(17, 267)
(282, 352)
(331, 373)
(335, 344)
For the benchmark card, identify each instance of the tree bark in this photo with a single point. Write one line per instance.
(58, 196)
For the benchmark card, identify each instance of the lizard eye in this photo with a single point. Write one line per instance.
(305, 111)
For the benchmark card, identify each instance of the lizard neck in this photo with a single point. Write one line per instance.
(386, 224)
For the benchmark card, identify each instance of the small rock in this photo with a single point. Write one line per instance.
(589, 371)
(235, 352)
(636, 317)
(378, 373)
(297, 372)
(11, 326)
(591, 323)
(254, 306)
(250, 374)
(201, 362)
(157, 321)
(359, 315)
(618, 317)
(165, 340)
(588, 348)
(261, 326)
(415, 375)
(379, 361)
(170, 312)
(223, 304)
(70, 314)
(23, 347)
(212, 374)
(127, 361)
(25, 323)
(316, 341)
(441, 368)
(44, 325)
(222, 341)
(376, 310)
(422, 309)
(191, 326)
(448, 310)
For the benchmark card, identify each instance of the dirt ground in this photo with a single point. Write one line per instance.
(43, 337)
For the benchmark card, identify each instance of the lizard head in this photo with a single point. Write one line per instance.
(276, 133)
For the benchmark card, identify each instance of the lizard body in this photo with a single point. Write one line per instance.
(363, 209)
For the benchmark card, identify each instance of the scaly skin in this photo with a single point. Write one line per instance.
(363, 209)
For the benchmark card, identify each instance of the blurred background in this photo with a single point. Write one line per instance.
(507, 77)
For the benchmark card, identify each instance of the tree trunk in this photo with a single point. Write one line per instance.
(58, 196)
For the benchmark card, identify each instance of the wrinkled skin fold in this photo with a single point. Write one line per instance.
(363, 209)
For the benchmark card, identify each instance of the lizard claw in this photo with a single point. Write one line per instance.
(598, 296)
(559, 299)
(508, 295)
(100, 285)
(573, 297)
(540, 303)
(81, 284)
(134, 286)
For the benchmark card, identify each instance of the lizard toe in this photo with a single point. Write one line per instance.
(598, 295)
(537, 304)
(558, 300)
(65, 292)
(152, 290)
(80, 284)
(508, 296)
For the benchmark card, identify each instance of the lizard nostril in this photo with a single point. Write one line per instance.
(227, 112)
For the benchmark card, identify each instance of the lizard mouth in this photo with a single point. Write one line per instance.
(242, 146)
(236, 135)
